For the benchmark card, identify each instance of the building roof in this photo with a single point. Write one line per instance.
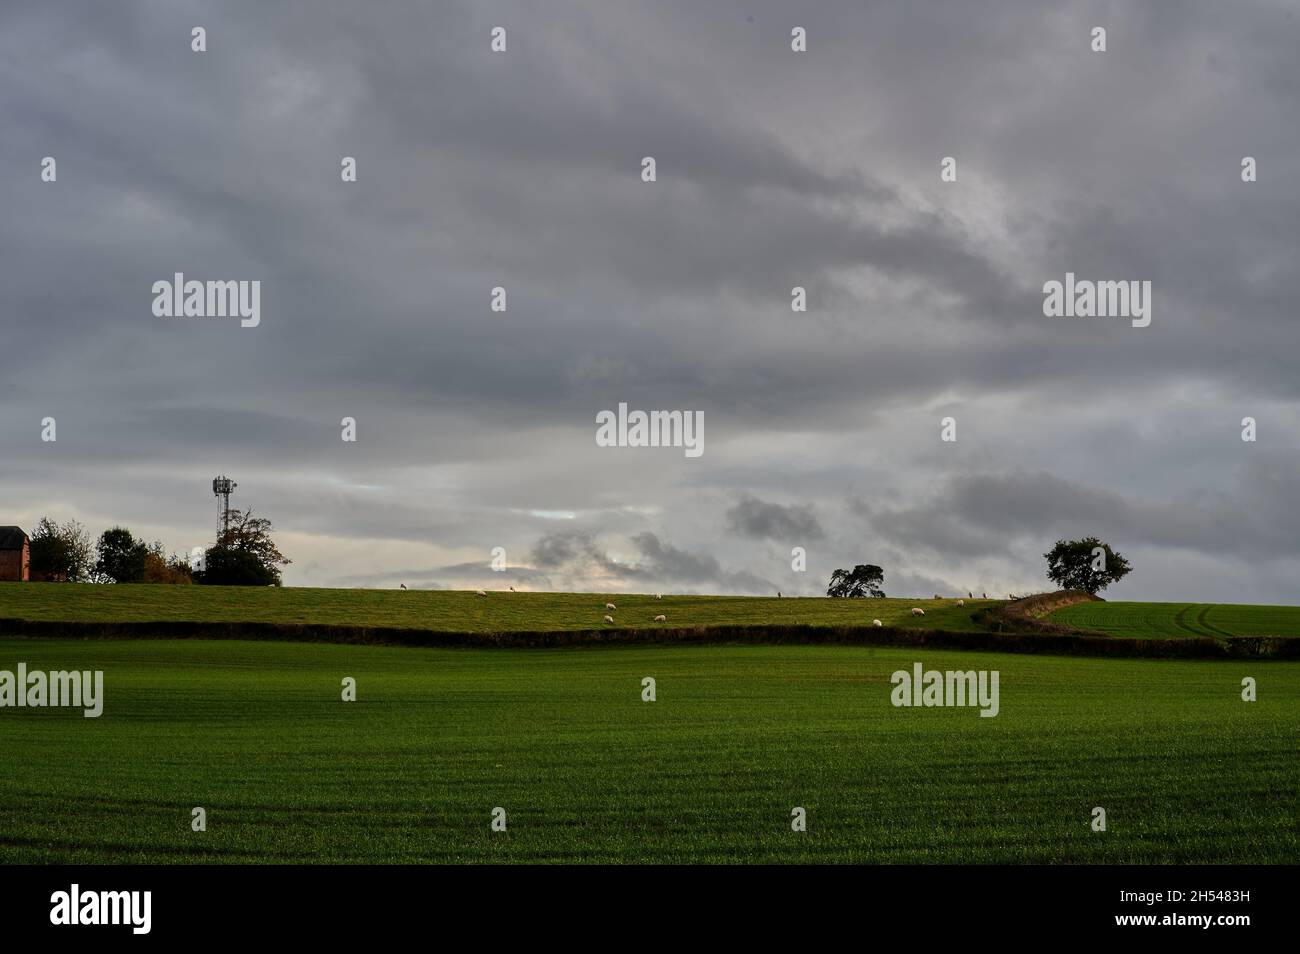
(12, 538)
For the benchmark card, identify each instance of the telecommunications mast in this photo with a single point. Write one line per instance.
(222, 488)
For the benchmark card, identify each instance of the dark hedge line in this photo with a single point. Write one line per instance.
(1069, 643)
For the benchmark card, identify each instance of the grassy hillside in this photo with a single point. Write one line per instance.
(459, 611)
(257, 735)
(1216, 620)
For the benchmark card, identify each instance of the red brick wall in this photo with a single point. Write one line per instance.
(15, 564)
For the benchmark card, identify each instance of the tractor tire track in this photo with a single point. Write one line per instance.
(1201, 621)
(1181, 622)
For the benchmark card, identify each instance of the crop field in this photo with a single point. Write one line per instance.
(1156, 620)
(258, 735)
(457, 610)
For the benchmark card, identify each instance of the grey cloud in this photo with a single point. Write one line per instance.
(696, 570)
(751, 517)
(990, 513)
(659, 565)
(775, 169)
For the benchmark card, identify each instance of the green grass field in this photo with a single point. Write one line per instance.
(256, 733)
(456, 610)
(1157, 620)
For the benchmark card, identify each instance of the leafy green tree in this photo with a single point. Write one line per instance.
(61, 551)
(231, 566)
(866, 579)
(49, 552)
(1086, 564)
(81, 551)
(121, 556)
(245, 555)
(253, 534)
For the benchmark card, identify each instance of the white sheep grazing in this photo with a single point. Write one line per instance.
(610, 606)
(659, 596)
(608, 618)
(876, 622)
(480, 592)
(661, 618)
(917, 611)
(961, 602)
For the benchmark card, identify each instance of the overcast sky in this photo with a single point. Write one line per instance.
(775, 168)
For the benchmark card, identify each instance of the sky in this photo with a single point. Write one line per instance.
(522, 169)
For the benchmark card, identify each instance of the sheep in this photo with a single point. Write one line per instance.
(659, 596)
(876, 622)
(937, 596)
(608, 618)
(661, 618)
(480, 592)
(970, 595)
(961, 602)
(917, 611)
(402, 585)
(512, 589)
(610, 606)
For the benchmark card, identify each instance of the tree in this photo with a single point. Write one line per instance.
(1086, 564)
(51, 559)
(865, 580)
(245, 555)
(159, 568)
(230, 566)
(81, 551)
(60, 552)
(121, 556)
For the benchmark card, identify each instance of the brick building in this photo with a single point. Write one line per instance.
(15, 555)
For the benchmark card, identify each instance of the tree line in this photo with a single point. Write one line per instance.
(1086, 564)
(244, 555)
